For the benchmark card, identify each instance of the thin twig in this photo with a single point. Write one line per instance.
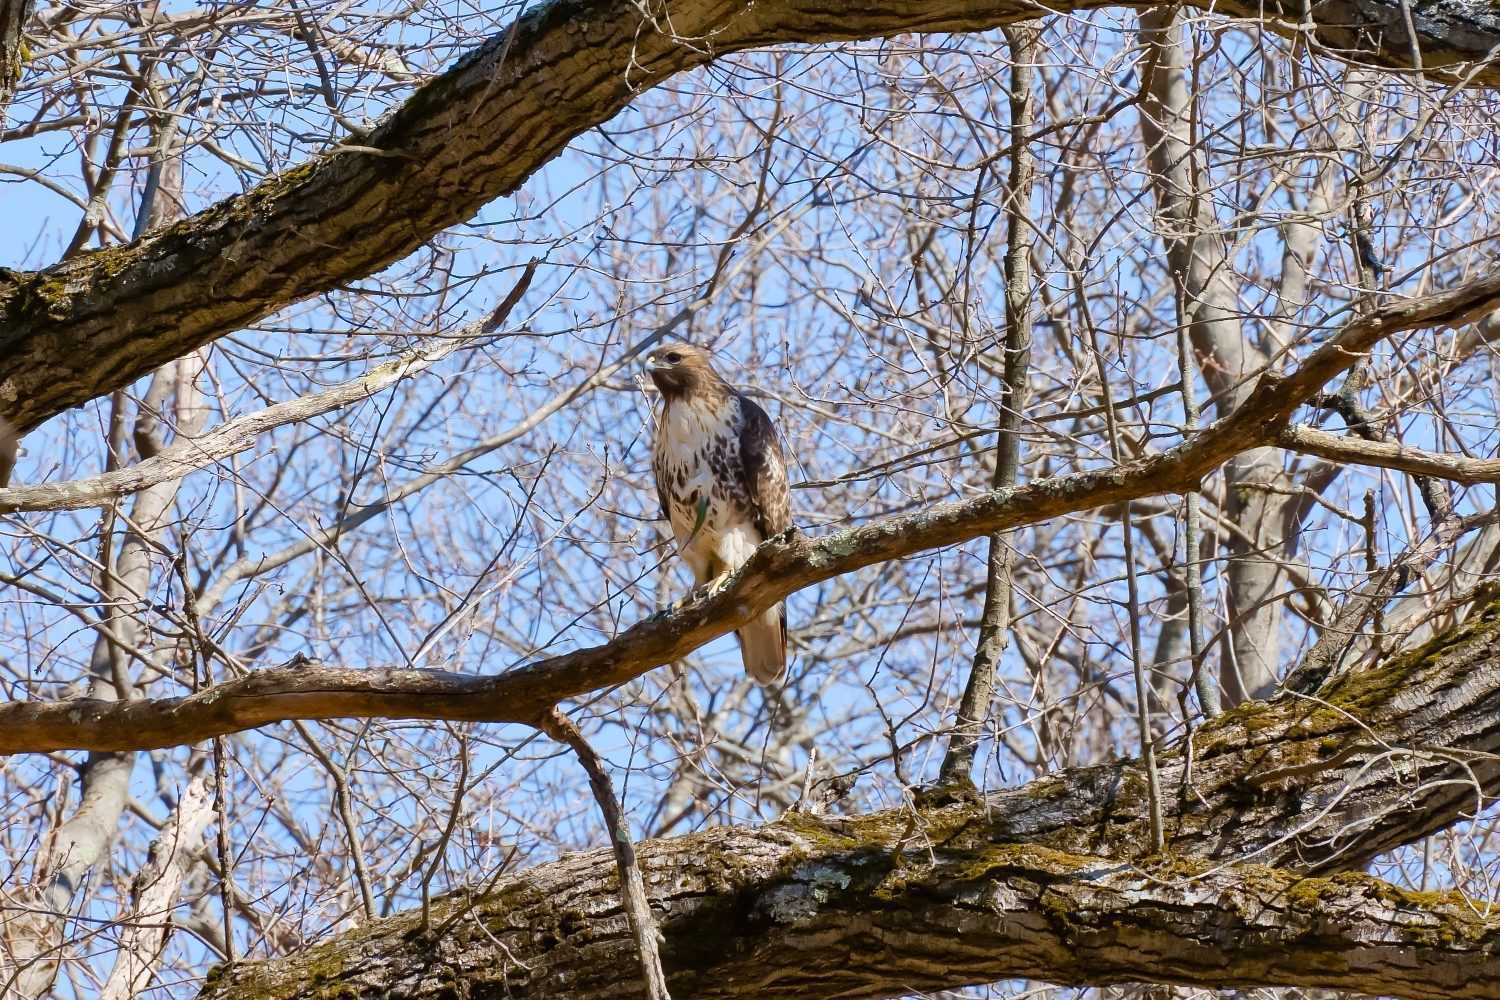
(454, 814)
(190, 453)
(632, 885)
(342, 802)
(1133, 608)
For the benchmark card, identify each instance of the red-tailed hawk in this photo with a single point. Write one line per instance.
(722, 480)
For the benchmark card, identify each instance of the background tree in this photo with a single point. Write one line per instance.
(1133, 367)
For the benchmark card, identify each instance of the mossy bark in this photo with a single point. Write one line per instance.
(794, 911)
(96, 323)
(13, 17)
(1055, 881)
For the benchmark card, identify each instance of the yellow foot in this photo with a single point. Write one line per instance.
(702, 593)
(715, 585)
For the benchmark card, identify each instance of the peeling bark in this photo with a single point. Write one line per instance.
(98, 322)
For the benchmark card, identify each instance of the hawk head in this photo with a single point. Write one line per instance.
(681, 370)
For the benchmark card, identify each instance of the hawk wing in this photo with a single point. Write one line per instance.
(763, 641)
(764, 467)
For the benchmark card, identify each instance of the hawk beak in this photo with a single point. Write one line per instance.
(654, 365)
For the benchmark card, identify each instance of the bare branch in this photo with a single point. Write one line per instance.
(97, 322)
(1005, 885)
(156, 887)
(189, 454)
(776, 913)
(994, 627)
(1389, 455)
(782, 566)
(632, 883)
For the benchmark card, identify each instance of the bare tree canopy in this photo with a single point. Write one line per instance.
(83, 328)
(1135, 367)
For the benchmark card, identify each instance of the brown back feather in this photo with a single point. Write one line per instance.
(765, 470)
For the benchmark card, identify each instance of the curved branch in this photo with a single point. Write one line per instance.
(780, 567)
(958, 889)
(1389, 455)
(189, 454)
(96, 323)
(1376, 760)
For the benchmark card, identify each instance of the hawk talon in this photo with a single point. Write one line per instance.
(703, 593)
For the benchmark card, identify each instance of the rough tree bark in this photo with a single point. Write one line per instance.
(1050, 881)
(1274, 808)
(13, 17)
(97, 322)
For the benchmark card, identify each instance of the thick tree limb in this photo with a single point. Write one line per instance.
(13, 17)
(780, 567)
(792, 913)
(959, 889)
(96, 323)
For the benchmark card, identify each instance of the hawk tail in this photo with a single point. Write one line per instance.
(763, 646)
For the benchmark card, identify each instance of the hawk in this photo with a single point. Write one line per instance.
(723, 486)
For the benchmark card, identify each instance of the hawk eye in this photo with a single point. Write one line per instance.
(674, 358)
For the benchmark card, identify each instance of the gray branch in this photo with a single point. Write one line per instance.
(98, 322)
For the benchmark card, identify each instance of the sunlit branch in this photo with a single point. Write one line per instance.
(1389, 455)
(97, 322)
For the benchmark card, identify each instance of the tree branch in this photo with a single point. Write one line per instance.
(957, 888)
(189, 454)
(13, 17)
(96, 323)
(633, 898)
(793, 911)
(156, 887)
(782, 566)
(1389, 455)
(1327, 782)
(995, 620)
